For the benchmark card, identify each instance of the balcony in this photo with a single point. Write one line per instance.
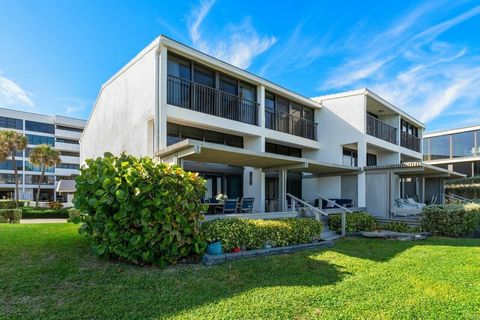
(381, 130)
(287, 123)
(410, 142)
(194, 96)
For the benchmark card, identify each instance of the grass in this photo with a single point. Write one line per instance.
(47, 271)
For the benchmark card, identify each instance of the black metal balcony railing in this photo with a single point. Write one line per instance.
(410, 142)
(285, 122)
(381, 130)
(191, 95)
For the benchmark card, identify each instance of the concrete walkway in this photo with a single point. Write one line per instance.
(37, 221)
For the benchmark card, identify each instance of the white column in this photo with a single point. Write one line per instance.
(362, 162)
(161, 123)
(282, 188)
(261, 108)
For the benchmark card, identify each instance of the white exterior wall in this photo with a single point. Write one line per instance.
(119, 120)
(329, 187)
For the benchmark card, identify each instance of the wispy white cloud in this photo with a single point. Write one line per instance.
(238, 44)
(13, 95)
(410, 66)
(74, 106)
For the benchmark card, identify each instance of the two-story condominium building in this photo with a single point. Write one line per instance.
(249, 137)
(61, 132)
(454, 149)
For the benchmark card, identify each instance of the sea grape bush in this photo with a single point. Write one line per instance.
(140, 210)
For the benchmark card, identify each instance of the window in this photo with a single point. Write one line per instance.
(476, 168)
(409, 128)
(68, 166)
(283, 150)
(70, 153)
(173, 133)
(371, 159)
(350, 157)
(204, 76)
(233, 141)
(11, 123)
(228, 85)
(463, 144)
(178, 67)
(8, 165)
(176, 133)
(62, 140)
(34, 139)
(439, 147)
(31, 167)
(39, 127)
(464, 167)
(69, 128)
(8, 178)
(33, 179)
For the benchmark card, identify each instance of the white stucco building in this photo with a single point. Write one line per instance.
(61, 132)
(249, 137)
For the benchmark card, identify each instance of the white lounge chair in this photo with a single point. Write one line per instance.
(404, 208)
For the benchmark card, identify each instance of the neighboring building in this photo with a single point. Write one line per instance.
(63, 133)
(454, 149)
(249, 137)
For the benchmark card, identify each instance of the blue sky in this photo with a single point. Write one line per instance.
(422, 56)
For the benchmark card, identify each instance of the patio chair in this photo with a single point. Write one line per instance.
(229, 206)
(246, 205)
(402, 208)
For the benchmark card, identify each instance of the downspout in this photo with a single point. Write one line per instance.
(156, 137)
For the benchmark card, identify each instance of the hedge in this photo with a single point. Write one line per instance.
(10, 204)
(357, 221)
(44, 213)
(451, 220)
(256, 234)
(140, 210)
(10, 215)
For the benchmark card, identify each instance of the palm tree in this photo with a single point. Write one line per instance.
(12, 142)
(44, 156)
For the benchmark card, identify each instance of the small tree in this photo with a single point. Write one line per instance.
(12, 142)
(44, 156)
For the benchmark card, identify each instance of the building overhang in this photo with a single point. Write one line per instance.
(68, 186)
(198, 151)
(417, 169)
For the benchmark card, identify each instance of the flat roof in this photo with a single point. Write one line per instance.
(193, 150)
(450, 131)
(417, 169)
(39, 114)
(373, 95)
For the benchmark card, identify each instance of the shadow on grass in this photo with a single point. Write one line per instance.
(382, 250)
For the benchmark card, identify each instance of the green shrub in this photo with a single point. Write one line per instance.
(256, 234)
(451, 220)
(44, 213)
(10, 204)
(357, 221)
(141, 210)
(399, 226)
(75, 215)
(55, 205)
(10, 215)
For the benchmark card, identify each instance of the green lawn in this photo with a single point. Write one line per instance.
(48, 272)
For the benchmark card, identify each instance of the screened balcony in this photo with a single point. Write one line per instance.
(194, 96)
(409, 141)
(288, 123)
(381, 130)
